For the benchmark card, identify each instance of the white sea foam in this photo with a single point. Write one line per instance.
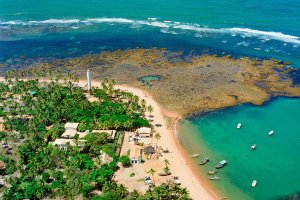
(171, 25)
(17, 22)
(55, 21)
(108, 20)
(243, 43)
(153, 23)
(152, 18)
(167, 31)
(266, 35)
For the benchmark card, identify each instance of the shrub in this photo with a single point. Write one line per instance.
(3, 134)
(125, 160)
(132, 174)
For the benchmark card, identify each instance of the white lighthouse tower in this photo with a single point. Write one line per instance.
(88, 74)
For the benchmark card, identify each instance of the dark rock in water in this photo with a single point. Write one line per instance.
(295, 76)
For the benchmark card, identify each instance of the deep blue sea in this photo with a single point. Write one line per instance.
(49, 29)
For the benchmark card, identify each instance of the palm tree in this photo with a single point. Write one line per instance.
(157, 136)
(117, 124)
(150, 109)
(167, 162)
(105, 125)
(167, 171)
(152, 172)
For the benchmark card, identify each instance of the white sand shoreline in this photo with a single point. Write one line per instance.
(179, 160)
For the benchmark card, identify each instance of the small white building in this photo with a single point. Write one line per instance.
(144, 132)
(135, 154)
(71, 126)
(70, 130)
(69, 133)
(62, 143)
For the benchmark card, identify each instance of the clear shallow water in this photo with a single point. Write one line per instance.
(35, 30)
(146, 80)
(274, 163)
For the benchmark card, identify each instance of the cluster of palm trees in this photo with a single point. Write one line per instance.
(38, 116)
(39, 73)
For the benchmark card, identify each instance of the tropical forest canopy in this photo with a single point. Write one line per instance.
(33, 114)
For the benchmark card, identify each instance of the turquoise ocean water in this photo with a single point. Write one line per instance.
(274, 162)
(37, 30)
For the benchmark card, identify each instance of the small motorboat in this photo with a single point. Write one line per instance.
(221, 164)
(239, 125)
(253, 147)
(214, 178)
(254, 182)
(271, 133)
(195, 155)
(204, 161)
(211, 172)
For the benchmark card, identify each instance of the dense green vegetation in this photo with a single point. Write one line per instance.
(34, 113)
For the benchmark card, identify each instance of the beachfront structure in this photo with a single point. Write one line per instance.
(144, 132)
(62, 143)
(111, 133)
(69, 133)
(70, 130)
(71, 126)
(149, 150)
(135, 154)
(88, 74)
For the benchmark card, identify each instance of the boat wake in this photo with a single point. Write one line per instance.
(168, 27)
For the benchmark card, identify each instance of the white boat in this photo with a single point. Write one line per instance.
(214, 178)
(195, 155)
(221, 164)
(271, 132)
(211, 172)
(254, 182)
(253, 147)
(239, 125)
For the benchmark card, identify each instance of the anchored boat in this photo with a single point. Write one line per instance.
(195, 155)
(221, 164)
(254, 182)
(211, 172)
(204, 161)
(214, 178)
(253, 147)
(239, 125)
(271, 133)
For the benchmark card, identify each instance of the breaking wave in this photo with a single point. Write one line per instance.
(165, 26)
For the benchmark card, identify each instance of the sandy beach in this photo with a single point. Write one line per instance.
(179, 160)
(180, 163)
